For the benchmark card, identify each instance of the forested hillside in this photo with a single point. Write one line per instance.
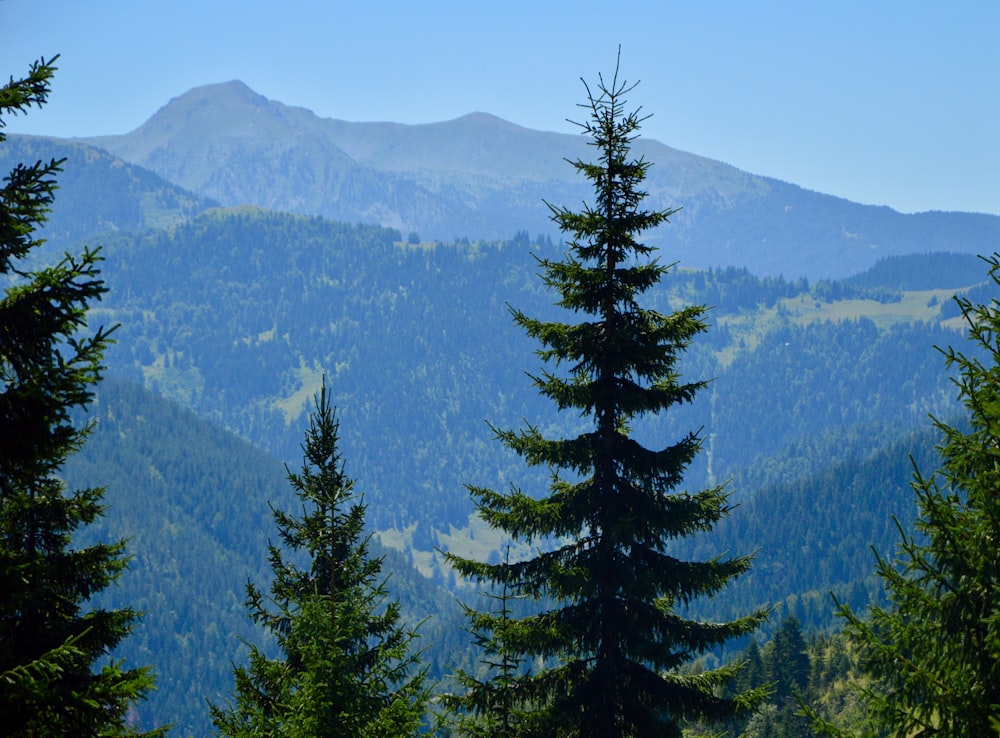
(99, 193)
(815, 512)
(237, 314)
(420, 351)
(923, 272)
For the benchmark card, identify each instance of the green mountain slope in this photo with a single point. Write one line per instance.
(100, 193)
(484, 177)
(814, 513)
(237, 314)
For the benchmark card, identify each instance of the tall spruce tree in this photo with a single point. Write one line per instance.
(601, 657)
(345, 664)
(50, 642)
(934, 650)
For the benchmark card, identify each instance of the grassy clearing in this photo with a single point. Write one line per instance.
(916, 306)
(476, 540)
(310, 381)
(750, 328)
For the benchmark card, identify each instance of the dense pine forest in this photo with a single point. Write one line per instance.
(260, 466)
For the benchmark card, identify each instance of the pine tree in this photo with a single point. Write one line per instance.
(934, 651)
(345, 657)
(486, 708)
(786, 662)
(50, 643)
(605, 646)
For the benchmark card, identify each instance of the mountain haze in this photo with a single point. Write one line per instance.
(482, 177)
(238, 313)
(100, 193)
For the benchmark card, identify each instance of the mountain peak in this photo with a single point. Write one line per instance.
(209, 117)
(219, 95)
(480, 118)
(233, 89)
(232, 95)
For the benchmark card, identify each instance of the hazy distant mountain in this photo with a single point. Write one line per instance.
(98, 192)
(482, 177)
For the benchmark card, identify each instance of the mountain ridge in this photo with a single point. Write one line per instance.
(480, 176)
(100, 193)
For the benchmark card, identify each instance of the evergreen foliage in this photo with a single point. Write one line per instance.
(488, 707)
(921, 272)
(787, 666)
(346, 659)
(818, 674)
(600, 658)
(50, 644)
(934, 652)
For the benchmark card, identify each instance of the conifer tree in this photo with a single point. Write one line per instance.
(487, 709)
(786, 662)
(601, 656)
(51, 681)
(345, 664)
(934, 650)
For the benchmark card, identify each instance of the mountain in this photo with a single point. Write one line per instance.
(99, 193)
(482, 177)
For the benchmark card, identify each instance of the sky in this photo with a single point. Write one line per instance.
(891, 103)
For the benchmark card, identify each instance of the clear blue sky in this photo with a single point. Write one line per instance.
(894, 103)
